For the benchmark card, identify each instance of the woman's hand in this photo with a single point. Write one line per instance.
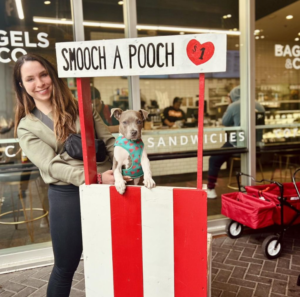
(109, 179)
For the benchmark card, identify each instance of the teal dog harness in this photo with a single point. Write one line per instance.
(135, 150)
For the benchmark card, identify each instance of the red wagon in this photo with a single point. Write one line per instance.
(261, 206)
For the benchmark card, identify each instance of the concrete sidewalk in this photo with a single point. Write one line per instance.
(239, 269)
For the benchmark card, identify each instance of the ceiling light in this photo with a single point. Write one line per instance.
(63, 19)
(257, 37)
(105, 25)
(234, 29)
(299, 33)
(52, 21)
(224, 16)
(20, 9)
(181, 33)
(47, 2)
(236, 45)
(139, 27)
(35, 28)
(256, 32)
(289, 17)
(121, 2)
(262, 37)
(229, 15)
(297, 39)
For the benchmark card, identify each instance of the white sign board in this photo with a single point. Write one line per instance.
(198, 53)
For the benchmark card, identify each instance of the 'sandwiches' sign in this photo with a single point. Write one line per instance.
(199, 53)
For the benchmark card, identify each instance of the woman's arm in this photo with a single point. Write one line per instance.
(113, 129)
(103, 133)
(51, 165)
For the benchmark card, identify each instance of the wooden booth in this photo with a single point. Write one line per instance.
(145, 242)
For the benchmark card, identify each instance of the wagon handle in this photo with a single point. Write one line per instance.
(294, 182)
(238, 174)
(238, 181)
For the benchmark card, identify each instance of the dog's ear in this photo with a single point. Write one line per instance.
(116, 112)
(144, 114)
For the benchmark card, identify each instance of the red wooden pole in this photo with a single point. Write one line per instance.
(200, 129)
(87, 130)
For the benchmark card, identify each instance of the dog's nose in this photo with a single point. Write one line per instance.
(133, 133)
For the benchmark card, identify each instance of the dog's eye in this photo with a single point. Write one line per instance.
(124, 122)
(139, 122)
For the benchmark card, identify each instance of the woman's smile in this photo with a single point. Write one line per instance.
(44, 91)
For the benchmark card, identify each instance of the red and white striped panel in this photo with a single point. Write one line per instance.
(145, 243)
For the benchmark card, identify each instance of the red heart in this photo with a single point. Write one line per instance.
(133, 167)
(117, 141)
(136, 160)
(126, 171)
(126, 142)
(137, 170)
(131, 144)
(131, 150)
(140, 164)
(138, 141)
(136, 148)
(123, 137)
(200, 53)
(132, 172)
(132, 155)
(141, 146)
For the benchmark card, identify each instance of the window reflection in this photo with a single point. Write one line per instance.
(32, 27)
(277, 53)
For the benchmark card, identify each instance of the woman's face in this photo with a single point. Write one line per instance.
(36, 81)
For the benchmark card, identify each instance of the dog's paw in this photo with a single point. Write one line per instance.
(149, 183)
(120, 186)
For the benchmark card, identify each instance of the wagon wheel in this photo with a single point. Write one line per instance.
(234, 229)
(272, 247)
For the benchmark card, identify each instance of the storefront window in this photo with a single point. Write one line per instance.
(25, 27)
(278, 87)
(158, 18)
(104, 20)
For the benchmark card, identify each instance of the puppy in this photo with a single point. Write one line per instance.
(130, 157)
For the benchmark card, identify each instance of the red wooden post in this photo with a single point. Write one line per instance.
(203, 217)
(200, 129)
(87, 130)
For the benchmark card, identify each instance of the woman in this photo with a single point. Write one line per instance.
(37, 86)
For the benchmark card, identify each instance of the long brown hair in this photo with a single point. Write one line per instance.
(64, 105)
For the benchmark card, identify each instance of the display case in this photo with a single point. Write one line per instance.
(281, 126)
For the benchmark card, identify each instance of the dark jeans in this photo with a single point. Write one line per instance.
(215, 163)
(65, 228)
